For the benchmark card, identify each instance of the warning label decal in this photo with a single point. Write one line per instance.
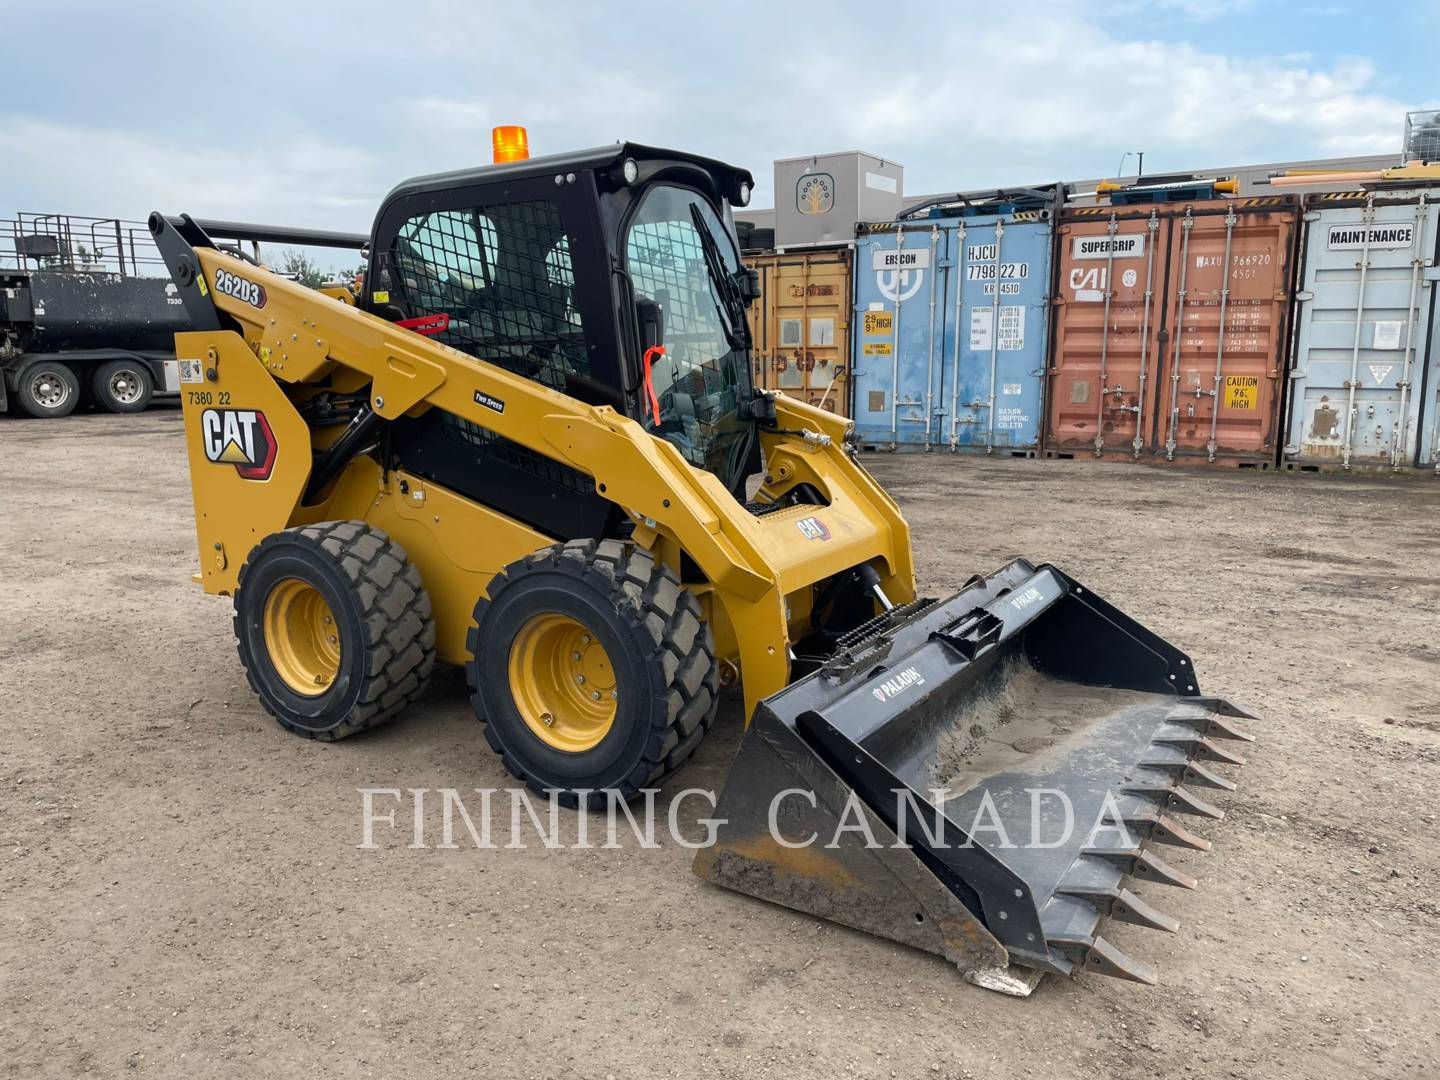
(1242, 392)
(879, 324)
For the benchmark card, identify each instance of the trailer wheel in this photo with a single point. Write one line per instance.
(333, 628)
(122, 386)
(47, 389)
(592, 670)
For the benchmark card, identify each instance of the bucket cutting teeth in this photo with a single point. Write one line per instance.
(1160, 829)
(1188, 770)
(1222, 707)
(1169, 831)
(1198, 774)
(1105, 959)
(1207, 720)
(1120, 903)
(1221, 730)
(1197, 745)
(1178, 798)
(1139, 863)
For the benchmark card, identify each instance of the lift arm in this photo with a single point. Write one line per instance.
(245, 315)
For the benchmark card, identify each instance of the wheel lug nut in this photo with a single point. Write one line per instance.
(614, 694)
(334, 640)
(585, 640)
(594, 695)
(575, 656)
(580, 679)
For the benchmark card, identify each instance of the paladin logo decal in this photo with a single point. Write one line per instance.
(1020, 601)
(239, 437)
(813, 528)
(898, 684)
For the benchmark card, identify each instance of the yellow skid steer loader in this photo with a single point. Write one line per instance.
(533, 450)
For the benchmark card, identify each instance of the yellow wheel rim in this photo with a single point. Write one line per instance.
(562, 682)
(302, 637)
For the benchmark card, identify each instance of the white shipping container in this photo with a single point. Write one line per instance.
(1365, 390)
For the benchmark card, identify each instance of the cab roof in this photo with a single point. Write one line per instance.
(729, 177)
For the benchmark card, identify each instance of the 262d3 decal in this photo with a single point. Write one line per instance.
(239, 437)
(249, 292)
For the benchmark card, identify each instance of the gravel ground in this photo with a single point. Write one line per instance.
(182, 893)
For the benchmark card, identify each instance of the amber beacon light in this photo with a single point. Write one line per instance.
(510, 143)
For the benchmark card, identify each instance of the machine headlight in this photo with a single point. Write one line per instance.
(742, 195)
(630, 171)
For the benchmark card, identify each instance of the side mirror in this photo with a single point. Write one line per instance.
(749, 282)
(650, 314)
(762, 406)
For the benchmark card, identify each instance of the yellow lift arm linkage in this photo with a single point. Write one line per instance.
(757, 569)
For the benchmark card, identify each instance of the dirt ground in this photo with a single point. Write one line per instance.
(182, 893)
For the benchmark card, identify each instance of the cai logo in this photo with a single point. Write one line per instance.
(239, 437)
(815, 193)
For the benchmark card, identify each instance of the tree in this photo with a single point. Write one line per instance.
(302, 266)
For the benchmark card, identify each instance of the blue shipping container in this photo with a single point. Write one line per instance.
(950, 328)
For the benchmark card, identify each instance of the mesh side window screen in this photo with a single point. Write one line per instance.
(498, 448)
(504, 276)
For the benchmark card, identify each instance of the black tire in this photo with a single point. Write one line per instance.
(122, 386)
(661, 650)
(47, 389)
(386, 635)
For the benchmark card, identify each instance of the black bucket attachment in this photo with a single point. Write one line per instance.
(981, 777)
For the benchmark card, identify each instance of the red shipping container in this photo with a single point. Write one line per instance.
(1170, 328)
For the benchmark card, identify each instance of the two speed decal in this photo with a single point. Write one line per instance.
(489, 401)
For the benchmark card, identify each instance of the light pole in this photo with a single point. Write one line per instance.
(1140, 166)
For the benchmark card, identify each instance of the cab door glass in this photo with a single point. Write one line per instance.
(703, 374)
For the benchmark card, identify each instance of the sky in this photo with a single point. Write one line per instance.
(306, 114)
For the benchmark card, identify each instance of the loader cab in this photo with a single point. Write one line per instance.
(568, 270)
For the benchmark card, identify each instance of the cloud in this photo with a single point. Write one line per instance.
(1070, 96)
(332, 119)
(300, 180)
(1205, 10)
